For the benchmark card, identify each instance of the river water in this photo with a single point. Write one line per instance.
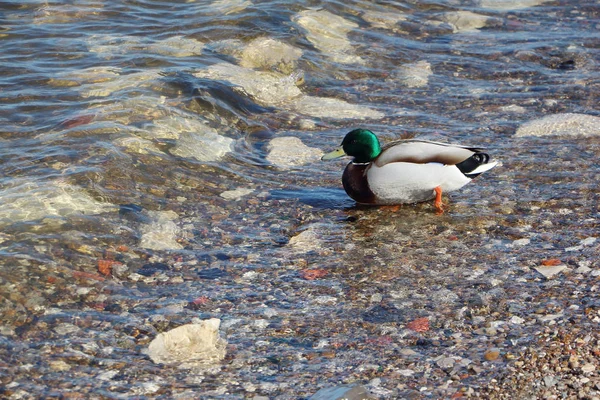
(160, 165)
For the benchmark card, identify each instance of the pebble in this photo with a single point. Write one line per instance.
(587, 368)
(491, 354)
(342, 392)
(59, 365)
(236, 194)
(551, 270)
(445, 362)
(189, 345)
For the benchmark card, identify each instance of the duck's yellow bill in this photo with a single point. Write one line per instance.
(337, 153)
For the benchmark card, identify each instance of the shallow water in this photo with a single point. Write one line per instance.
(143, 186)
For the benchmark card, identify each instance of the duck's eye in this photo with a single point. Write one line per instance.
(480, 158)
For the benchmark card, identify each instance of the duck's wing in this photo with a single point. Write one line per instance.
(423, 152)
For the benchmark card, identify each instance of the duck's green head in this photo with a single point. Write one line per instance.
(362, 144)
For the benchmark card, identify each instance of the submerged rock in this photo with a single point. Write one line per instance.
(464, 20)
(268, 54)
(229, 6)
(177, 46)
(550, 271)
(342, 392)
(509, 4)
(384, 20)
(274, 89)
(189, 345)
(162, 232)
(120, 82)
(203, 143)
(236, 194)
(327, 107)
(568, 124)
(268, 88)
(27, 200)
(415, 74)
(286, 152)
(86, 75)
(329, 34)
(307, 240)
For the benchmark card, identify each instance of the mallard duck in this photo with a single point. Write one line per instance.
(406, 171)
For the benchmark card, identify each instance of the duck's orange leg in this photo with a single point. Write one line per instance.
(439, 206)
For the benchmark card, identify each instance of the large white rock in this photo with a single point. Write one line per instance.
(189, 345)
(28, 200)
(567, 124)
(414, 74)
(329, 33)
(288, 151)
(267, 53)
(204, 144)
(328, 107)
(268, 88)
(275, 89)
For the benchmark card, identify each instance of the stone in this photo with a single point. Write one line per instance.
(464, 20)
(329, 34)
(128, 81)
(59, 365)
(550, 380)
(162, 232)
(567, 124)
(289, 151)
(266, 53)
(491, 354)
(588, 368)
(236, 194)
(270, 88)
(508, 4)
(414, 74)
(25, 199)
(342, 392)
(384, 20)
(445, 362)
(177, 46)
(204, 144)
(226, 7)
(549, 271)
(516, 320)
(189, 345)
(328, 107)
(266, 87)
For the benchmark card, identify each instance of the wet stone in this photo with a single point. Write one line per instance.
(568, 124)
(383, 313)
(152, 268)
(342, 392)
(212, 273)
(286, 152)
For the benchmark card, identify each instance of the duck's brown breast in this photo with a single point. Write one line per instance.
(356, 185)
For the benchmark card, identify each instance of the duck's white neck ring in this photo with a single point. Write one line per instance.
(361, 163)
